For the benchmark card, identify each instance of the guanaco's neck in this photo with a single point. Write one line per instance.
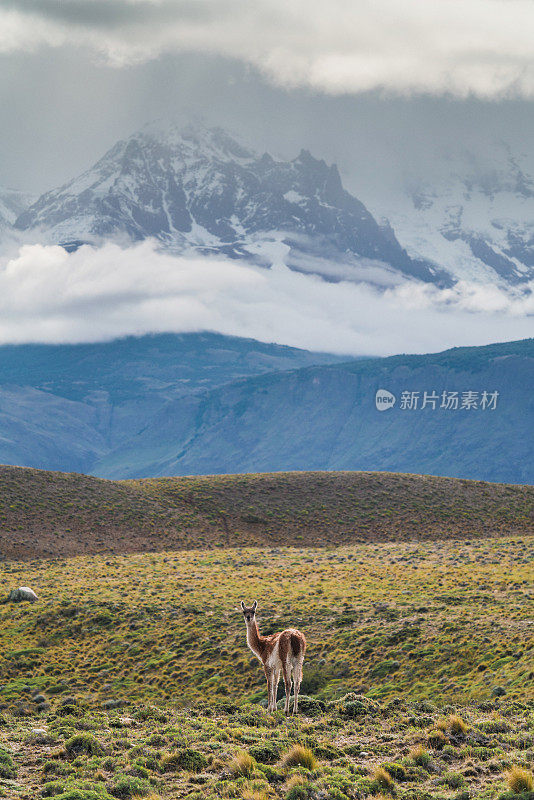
(254, 638)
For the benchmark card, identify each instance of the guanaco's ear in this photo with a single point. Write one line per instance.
(254, 605)
(242, 605)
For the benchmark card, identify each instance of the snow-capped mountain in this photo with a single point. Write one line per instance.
(12, 204)
(477, 218)
(197, 189)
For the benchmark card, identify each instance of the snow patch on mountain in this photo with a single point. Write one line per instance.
(476, 220)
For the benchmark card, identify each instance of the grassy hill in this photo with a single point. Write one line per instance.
(51, 514)
(130, 676)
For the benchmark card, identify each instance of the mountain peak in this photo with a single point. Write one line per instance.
(196, 188)
(196, 136)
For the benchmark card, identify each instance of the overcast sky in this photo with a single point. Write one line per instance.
(377, 86)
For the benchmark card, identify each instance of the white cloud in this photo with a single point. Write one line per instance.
(461, 47)
(48, 295)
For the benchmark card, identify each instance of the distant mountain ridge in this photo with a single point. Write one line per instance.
(204, 404)
(67, 406)
(326, 417)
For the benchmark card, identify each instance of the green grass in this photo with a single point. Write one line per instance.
(448, 621)
(325, 756)
(151, 692)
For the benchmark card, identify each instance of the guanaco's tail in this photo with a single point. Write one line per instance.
(296, 645)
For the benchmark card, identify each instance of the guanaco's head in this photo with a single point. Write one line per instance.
(249, 612)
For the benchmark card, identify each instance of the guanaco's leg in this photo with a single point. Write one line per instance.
(297, 678)
(269, 676)
(287, 683)
(275, 687)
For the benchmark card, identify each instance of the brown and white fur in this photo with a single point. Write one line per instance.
(281, 652)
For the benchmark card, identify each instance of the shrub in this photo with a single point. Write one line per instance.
(271, 774)
(336, 794)
(139, 770)
(189, 759)
(52, 788)
(56, 767)
(69, 709)
(495, 726)
(396, 770)
(82, 794)
(457, 725)
(266, 753)
(328, 751)
(299, 756)
(453, 780)
(420, 756)
(356, 705)
(311, 706)
(126, 786)
(7, 766)
(83, 743)
(242, 765)
(297, 788)
(520, 780)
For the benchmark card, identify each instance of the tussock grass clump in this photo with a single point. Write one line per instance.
(83, 743)
(254, 794)
(457, 725)
(383, 780)
(299, 756)
(242, 765)
(520, 780)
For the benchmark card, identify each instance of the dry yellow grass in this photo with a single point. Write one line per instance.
(520, 780)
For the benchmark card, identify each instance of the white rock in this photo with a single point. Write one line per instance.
(22, 594)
